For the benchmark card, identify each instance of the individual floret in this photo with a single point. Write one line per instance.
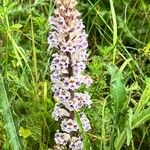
(80, 100)
(61, 138)
(59, 112)
(62, 94)
(69, 125)
(60, 63)
(85, 122)
(76, 143)
(72, 83)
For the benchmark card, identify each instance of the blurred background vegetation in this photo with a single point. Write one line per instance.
(119, 63)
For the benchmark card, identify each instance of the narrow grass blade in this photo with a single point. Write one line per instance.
(124, 65)
(114, 22)
(114, 29)
(129, 126)
(9, 126)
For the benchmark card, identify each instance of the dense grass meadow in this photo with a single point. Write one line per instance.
(118, 62)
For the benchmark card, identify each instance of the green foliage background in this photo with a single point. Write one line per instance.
(119, 63)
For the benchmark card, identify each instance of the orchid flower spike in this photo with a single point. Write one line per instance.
(68, 37)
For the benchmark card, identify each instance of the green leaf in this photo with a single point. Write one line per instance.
(141, 118)
(9, 122)
(144, 98)
(5, 2)
(16, 27)
(120, 140)
(117, 88)
(1, 12)
(96, 65)
(12, 5)
(136, 121)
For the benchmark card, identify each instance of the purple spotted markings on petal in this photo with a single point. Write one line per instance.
(69, 125)
(76, 143)
(61, 138)
(78, 67)
(55, 76)
(59, 112)
(62, 94)
(85, 122)
(70, 105)
(72, 83)
(80, 100)
(60, 63)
